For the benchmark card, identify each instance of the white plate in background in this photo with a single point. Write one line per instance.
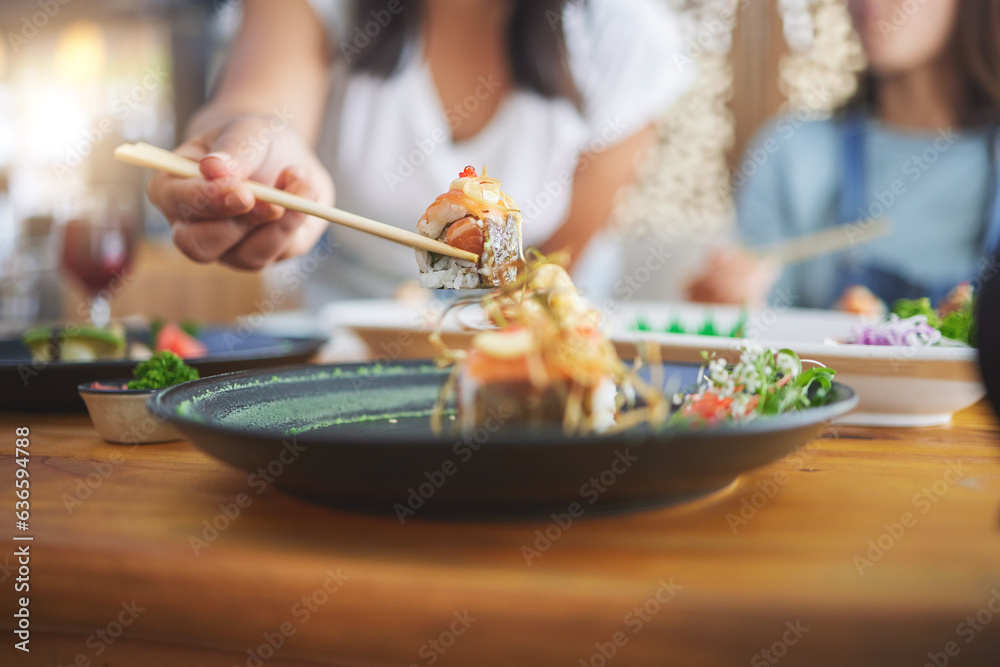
(897, 386)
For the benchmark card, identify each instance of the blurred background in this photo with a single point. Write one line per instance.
(78, 77)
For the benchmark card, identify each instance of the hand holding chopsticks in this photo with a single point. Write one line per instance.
(145, 155)
(747, 275)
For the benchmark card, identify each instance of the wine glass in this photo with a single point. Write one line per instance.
(98, 246)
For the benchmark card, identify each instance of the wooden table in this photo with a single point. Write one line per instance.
(867, 547)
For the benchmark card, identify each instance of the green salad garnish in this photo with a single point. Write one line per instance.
(905, 308)
(955, 319)
(960, 325)
(763, 382)
(163, 369)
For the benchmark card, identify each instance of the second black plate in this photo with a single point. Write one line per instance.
(29, 386)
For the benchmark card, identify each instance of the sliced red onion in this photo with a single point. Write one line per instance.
(911, 332)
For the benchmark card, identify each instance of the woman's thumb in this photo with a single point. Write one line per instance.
(237, 152)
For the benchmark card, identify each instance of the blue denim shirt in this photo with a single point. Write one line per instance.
(936, 187)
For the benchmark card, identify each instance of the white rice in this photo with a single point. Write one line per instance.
(440, 272)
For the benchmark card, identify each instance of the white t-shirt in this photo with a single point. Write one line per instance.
(388, 142)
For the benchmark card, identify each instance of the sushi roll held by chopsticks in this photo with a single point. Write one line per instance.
(474, 215)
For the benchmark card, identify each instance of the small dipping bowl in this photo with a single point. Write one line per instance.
(120, 414)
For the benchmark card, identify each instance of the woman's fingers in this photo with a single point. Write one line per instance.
(219, 218)
(222, 220)
(262, 212)
(294, 181)
(249, 241)
(208, 240)
(289, 180)
(270, 241)
(218, 164)
(191, 200)
(239, 151)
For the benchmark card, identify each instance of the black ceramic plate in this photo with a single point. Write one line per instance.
(29, 386)
(359, 437)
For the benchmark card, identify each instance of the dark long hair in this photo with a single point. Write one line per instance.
(536, 43)
(975, 42)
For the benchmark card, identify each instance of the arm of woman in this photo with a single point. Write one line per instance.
(598, 180)
(260, 124)
(733, 274)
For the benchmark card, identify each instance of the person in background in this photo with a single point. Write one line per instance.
(916, 144)
(556, 97)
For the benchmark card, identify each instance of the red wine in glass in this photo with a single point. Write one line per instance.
(98, 253)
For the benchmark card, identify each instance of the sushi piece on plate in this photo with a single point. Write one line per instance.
(511, 377)
(477, 216)
(548, 362)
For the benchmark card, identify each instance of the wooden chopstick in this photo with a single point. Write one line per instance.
(145, 155)
(826, 241)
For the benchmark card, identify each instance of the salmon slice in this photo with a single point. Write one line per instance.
(466, 234)
(485, 369)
